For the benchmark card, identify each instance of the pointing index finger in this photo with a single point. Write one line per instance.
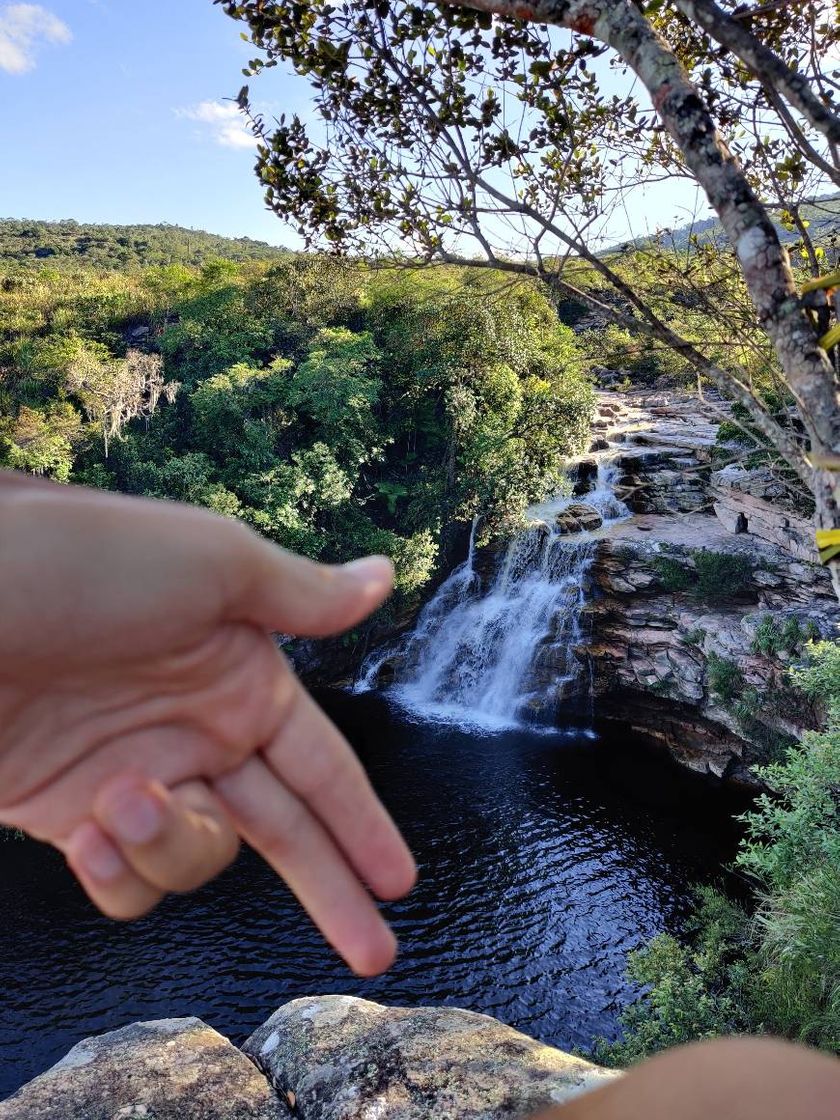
(278, 826)
(310, 756)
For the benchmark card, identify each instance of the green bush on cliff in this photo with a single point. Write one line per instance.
(714, 576)
(673, 575)
(695, 636)
(776, 971)
(750, 710)
(773, 637)
(721, 575)
(614, 347)
(724, 677)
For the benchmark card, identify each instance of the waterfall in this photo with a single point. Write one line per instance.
(499, 655)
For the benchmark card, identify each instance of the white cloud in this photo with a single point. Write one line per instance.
(223, 122)
(24, 28)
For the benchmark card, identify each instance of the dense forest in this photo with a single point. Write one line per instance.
(70, 244)
(336, 409)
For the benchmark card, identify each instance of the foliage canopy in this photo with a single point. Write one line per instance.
(337, 409)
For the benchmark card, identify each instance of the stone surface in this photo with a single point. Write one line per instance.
(649, 649)
(344, 1058)
(752, 501)
(171, 1069)
(584, 475)
(578, 517)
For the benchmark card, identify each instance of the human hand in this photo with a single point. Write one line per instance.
(147, 720)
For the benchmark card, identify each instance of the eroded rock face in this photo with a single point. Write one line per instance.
(660, 656)
(662, 480)
(578, 518)
(752, 501)
(170, 1069)
(342, 1058)
(675, 659)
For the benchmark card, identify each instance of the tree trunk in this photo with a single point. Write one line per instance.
(764, 263)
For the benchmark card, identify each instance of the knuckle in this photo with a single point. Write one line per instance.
(181, 867)
(325, 775)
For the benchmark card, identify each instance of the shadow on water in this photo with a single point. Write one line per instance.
(544, 860)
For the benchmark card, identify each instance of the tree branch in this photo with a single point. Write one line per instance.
(799, 138)
(767, 66)
(725, 380)
(765, 266)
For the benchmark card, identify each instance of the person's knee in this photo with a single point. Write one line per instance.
(745, 1054)
(738, 1078)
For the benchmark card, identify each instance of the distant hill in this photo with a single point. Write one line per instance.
(31, 242)
(823, 214)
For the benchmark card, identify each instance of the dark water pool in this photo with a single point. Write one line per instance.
(544, 859)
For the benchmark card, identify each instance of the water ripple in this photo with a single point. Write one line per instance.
(542, 865)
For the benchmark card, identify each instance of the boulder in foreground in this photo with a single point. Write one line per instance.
(171, 1069)
(342, 1058)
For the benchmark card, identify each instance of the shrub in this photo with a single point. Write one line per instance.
(725, 679)
(820, 678)
(811, 631)
(773, 637)
(715, 576)
(616, 348)
(695, 991)
(730, 432)
(672, 575)
(779, 971)
(748, 709)
(766, 637)
(721, 575)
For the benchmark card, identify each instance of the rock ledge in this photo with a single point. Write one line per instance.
(320, 1058)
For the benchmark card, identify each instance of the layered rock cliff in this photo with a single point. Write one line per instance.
(704, 594)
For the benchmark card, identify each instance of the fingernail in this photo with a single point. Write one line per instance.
(101, 860)
(134, 816)
(371, 569)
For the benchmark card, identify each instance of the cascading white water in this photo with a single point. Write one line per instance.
(602, 498)
(507, 654)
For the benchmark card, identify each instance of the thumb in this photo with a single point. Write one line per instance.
(288, 593)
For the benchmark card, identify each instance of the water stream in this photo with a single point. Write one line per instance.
(512, 652)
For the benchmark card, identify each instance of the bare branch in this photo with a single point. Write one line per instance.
(767, 67)
(654, 328)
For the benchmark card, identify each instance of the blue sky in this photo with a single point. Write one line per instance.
(114, 111)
